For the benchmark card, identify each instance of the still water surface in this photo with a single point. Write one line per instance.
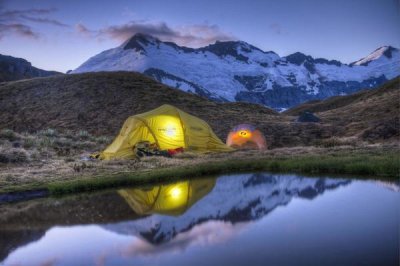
(246, 219)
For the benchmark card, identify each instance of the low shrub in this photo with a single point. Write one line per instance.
(29, 143)
(63, 142)
(13, 155)
(8, 134)
(46, 142)
(83, 135)
(48, 132)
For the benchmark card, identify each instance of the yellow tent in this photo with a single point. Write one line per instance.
(173, 199)
(169, 128)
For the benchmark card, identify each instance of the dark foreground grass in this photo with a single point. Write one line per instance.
(385, 166)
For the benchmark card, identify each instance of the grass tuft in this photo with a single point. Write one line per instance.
(8, 134)
(48, 132)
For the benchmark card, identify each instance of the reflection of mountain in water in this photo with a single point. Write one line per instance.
(10, 240)
(233, 199)
(25, 222)
(174, 208)
(393, 185)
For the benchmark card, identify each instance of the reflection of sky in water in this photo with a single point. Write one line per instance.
(353, 224)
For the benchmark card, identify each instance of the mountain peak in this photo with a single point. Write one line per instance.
(298, 58)
(225, 48)
(385, 50)
(389, 50)
(237, 71)
(138, 41)
(13, 68)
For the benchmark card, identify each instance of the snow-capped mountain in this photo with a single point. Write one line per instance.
(234, 199)
(238, 71)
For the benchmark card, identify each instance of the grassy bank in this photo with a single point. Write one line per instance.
(57, 161)
(383, 166)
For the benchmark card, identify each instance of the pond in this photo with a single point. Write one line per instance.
(246, 219)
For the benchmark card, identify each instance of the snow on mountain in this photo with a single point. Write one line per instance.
(234, 199)
(381, 52)
(238, 71)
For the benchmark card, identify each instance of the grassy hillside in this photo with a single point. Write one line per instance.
(340, 101)
(369, 114)
(100, 102)
(49, 125)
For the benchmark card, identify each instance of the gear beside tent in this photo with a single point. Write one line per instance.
(167, 128)
(246, 136)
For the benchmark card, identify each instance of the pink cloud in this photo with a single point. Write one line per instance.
(189, 35)
(17, 22)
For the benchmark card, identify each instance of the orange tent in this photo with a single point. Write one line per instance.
(246, 136)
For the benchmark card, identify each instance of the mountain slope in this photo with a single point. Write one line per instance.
(238, 71)
(12, 68)
(100, 102)
(376, 111)
(340, 101)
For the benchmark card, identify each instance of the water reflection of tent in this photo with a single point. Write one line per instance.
(171, 199)
(246, 136)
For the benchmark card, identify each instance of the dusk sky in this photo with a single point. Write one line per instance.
(61, 35)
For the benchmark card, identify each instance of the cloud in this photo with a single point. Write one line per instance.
(188, 35)
(46, 21)
(276, 28)
(19, 29)
(207, 234)
(82, 29)
(18, 22)
(14, 14)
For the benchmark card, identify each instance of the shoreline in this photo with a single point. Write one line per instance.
(381, 165)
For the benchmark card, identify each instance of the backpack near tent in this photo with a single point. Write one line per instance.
(167, 128)
(246, 136)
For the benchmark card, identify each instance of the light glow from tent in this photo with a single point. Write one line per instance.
(244, 134)
(176, 192)
(170, 130)
(170, 126)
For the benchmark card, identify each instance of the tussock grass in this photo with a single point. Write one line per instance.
(13, 155)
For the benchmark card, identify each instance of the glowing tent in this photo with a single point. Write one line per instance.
(172, 199)
(246, 136)
(167, 127)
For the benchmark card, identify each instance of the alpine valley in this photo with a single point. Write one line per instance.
(237, 71)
